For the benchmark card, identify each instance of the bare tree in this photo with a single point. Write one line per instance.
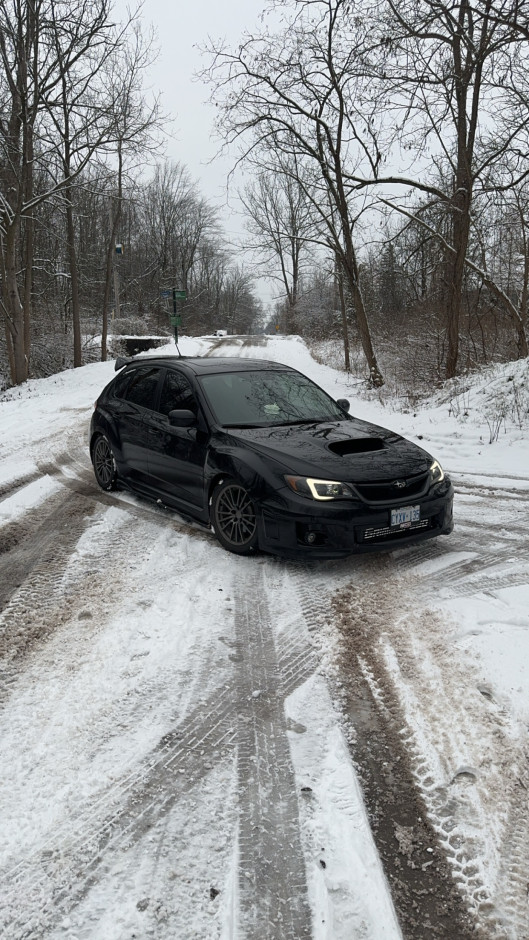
(81, 114)
(297, 94)
(503, 250)
(135, 121)
(450, 76)
(177, 219)
(281, 221)
(59, 107)
(19, 50)
(239, 304)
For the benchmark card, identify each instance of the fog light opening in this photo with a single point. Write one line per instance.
(309, 535)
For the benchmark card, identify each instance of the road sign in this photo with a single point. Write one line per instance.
(176, 320)
(172, 292)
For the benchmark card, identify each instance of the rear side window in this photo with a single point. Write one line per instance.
(120, 384)
(176, 393)
(141, 389)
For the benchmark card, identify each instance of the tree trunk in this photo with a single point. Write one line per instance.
(5, 309)
(345, 328)
(10, 351)
(338, 286)
(14, 308)
(521, 340)
(114, 227)
(74, 280)
(466, 118)
(29, 228)
(28, 285)
(114, 223)
(375, 376)
(519, 326)
(461, 231)
(106, 300)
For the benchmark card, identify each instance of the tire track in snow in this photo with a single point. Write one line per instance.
(500, 762)
(272, 879)
(476, 483)
(499, 560)
(43, 585)
(81, 852)
(75, 472)
(485, 572)
(34, 564)
(470, 770)
(347, 626)
(418, 730)
(13, 486)
(512, 885)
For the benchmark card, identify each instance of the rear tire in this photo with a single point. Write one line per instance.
(234, 518)
(104, 464)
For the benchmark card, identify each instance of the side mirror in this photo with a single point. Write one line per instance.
(182, 418)
(343, 403)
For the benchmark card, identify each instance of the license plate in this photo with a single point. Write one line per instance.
(405, 516)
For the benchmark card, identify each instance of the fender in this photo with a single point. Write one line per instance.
(103, 423)
(261, 479)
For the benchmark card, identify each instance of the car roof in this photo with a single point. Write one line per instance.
(207, 365)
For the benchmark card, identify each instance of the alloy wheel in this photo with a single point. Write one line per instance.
(235, 517)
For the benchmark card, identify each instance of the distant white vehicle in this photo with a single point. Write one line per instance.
(220, 333)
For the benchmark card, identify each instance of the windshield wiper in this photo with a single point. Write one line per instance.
(284, 424)
(279, 424)
(245, 426)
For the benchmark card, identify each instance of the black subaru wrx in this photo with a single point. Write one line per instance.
(267, 458)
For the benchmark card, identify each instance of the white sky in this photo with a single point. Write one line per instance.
(181, 29)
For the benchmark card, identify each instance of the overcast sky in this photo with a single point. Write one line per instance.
(181, 28)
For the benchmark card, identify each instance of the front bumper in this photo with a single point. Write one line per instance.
(304, 528)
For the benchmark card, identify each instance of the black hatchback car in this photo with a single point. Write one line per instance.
(267, 458)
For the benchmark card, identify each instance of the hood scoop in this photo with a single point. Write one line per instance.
(358, 445)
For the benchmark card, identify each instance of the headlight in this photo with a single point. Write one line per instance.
(320, 489)
(436, 472)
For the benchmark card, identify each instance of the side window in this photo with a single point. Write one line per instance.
(120, 384)
(176, 393)
(142, 386)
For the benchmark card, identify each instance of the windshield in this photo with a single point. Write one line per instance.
(262, 399)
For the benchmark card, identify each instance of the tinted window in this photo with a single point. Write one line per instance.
(142, 386)
(176, 393)
(120, 384)
(267, 398)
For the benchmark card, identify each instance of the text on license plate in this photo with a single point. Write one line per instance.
(405, 516)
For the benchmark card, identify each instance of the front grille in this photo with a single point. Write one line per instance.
(386, 491)
(380, 534)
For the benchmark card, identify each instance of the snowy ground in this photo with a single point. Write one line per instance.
(186, 734)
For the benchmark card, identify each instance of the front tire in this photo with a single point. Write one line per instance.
(104, 464)
(234, 518)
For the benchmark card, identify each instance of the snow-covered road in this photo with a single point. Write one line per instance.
(197, 745)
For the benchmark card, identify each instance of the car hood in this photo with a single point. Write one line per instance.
(351, 450)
